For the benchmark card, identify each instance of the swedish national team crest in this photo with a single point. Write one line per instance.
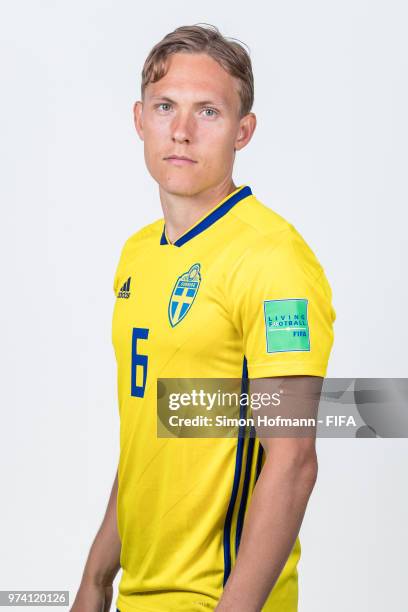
(184, 293)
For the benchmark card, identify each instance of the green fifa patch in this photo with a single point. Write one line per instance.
(286, 325)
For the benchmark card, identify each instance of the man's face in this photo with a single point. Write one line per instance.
(192, 112)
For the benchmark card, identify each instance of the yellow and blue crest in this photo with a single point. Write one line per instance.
(183, 294)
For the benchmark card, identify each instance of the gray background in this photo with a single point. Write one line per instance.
(329, 154)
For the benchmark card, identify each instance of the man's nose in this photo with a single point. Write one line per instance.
(182, 128)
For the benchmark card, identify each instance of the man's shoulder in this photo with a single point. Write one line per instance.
(270, 237)
(258, 220)
(144, 236)
(259, 229)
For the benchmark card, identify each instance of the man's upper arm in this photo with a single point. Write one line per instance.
(281, 303)
(297, 397)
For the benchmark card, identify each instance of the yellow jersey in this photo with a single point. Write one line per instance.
(239, 294)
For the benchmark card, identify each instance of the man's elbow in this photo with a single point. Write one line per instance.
(298, 466)
(301, 474)
(307, 473)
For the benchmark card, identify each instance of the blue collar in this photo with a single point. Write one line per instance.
(211, 218)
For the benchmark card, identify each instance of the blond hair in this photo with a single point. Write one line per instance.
(206, 38)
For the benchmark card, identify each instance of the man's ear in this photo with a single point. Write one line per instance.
(138, 118)
(246, 129)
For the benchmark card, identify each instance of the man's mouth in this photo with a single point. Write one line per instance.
(180, 160)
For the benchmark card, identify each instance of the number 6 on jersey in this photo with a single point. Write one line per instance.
(139, 333)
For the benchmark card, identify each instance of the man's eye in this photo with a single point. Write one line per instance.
(210, 112)
(164, 106)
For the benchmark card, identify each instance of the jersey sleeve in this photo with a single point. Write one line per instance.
(118, 276)
(281, 302)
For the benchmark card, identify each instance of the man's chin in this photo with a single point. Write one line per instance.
(181, 186)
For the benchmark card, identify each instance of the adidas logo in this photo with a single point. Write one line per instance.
(124, 291)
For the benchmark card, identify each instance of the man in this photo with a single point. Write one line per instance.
(220, 287)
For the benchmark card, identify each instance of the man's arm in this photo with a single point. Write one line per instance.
(96, 591)
(279, 499)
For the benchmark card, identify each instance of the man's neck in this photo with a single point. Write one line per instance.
(182, 212)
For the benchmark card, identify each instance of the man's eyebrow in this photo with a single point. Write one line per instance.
(200, 103)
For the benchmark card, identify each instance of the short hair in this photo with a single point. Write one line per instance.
(203, 38)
